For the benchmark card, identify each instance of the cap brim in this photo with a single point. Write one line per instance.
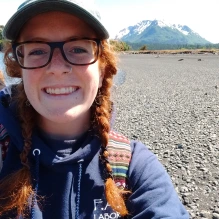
(16, 22)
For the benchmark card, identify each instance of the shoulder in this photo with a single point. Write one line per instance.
(146, 169)
(151, 186)
(140, 150)
(144, 162)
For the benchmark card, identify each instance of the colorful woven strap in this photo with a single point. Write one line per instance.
(4, 142)
(119, 157)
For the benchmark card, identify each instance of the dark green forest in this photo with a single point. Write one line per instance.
(127, 46)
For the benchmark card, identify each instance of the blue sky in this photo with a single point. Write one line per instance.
(200, 15)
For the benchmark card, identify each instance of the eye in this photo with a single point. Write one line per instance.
(37, 52)
(78, 50)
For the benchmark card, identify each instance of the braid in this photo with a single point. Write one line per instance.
(101, 113)
(16, 188)
(27, 123)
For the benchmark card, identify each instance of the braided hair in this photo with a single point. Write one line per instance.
(101, 112)
(16, 188)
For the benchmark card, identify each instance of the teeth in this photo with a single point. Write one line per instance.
(63, 90)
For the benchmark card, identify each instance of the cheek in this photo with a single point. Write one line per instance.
(30, 77)
(26, 76)
(26, 80)
(93, 76)
(30, 82)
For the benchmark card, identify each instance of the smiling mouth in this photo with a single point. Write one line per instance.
(63, 90)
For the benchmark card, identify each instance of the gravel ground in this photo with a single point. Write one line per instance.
(171, 103)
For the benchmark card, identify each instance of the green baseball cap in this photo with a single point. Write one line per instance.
(30, 8)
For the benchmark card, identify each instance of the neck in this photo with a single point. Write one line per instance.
(66, 130)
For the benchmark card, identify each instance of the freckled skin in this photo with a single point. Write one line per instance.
(67, 115)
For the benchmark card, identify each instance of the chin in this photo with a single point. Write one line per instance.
(66, 116)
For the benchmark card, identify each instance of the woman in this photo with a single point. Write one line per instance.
(63, 161)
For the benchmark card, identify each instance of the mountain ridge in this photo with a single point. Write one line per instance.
(160, 32)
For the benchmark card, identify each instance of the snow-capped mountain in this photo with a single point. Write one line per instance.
(157, 31)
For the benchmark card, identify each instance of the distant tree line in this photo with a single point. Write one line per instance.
(142, 46)
(126, 46)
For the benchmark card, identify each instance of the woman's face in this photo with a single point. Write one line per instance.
(62, 98)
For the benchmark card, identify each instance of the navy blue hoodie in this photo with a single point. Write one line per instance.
(71, 181)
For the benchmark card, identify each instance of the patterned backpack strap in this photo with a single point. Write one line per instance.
(119, 157)
(4, 142)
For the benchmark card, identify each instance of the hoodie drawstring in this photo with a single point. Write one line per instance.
(36, 153)
(78, 190)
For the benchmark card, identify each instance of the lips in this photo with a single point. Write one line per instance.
(61, 90)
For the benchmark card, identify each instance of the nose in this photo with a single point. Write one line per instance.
(58, 64)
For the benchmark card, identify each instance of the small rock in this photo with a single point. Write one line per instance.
(192, 214)
(204, 214)
(179, 146)
(215, 216)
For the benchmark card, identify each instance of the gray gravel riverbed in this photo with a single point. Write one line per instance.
(171, 103)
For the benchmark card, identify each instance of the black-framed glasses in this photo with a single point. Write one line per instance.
(38, 54)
